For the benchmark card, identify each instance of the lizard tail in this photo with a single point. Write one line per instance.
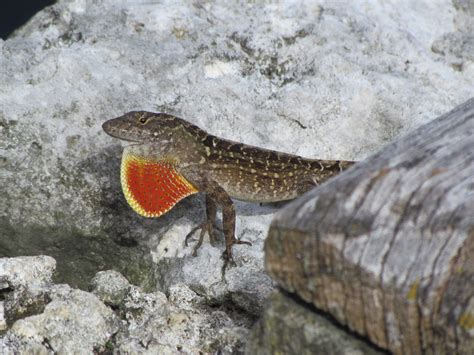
(326, 169)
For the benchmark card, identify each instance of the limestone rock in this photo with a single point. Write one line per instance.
(74, 320)
(110, 286)
(23, 282)
(183, 322)
(326, 80)
(46, 318)
(26, 271)
(246, 284)
(130, 320)
(456, 47)
(388, 246)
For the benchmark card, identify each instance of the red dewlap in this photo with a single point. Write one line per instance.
(154, 187)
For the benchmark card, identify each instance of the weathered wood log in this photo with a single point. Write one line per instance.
(387, 248)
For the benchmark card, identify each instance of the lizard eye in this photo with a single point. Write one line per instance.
(143, 119)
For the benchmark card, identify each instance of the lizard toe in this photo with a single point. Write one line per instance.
(208, 227)
(190, 234)
(239, 241)
(228, 259)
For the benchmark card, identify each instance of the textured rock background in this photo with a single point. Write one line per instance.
(325, 79)
(115, 316)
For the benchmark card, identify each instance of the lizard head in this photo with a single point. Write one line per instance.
(142, 127)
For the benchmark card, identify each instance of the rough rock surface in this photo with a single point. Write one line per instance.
(338, 79)
(457, 47)
(116, 316)
(324, 79)
(22, 284)
(288, 326)
(183, 321)
(44, 317)
(388, 247)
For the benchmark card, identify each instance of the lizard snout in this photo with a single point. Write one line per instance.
(110, 128)
(120, 128)
(106, 126)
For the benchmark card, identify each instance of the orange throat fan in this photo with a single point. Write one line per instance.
(152, 187)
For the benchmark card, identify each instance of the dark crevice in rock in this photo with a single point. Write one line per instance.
(109, 346)
(4, 292)
(78, 257)
(241, 316)
(21, 304)
(47, 344)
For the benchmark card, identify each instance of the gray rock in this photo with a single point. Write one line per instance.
(110, 286)
(457, 47)
(131, 321)
(26, 271)
(183, 297)
(245, 285)
(73, 321)
(23, 282)
(327, 80)
(168, 328)
(291, 327)
(45, 318)
(464, 5)
(183, 322)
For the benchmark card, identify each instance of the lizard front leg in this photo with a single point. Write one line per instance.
(217, 193)
(207, 226)
(217, 196)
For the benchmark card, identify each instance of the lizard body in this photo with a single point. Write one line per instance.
(170, 158)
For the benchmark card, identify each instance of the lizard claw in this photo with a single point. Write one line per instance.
(190, 234)
(228, 259)
(239, 241)
(227, 255)
(228, 262)
(204, 227)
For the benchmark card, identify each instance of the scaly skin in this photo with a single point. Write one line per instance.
(221, 168)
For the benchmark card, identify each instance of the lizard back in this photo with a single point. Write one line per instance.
(251, 173)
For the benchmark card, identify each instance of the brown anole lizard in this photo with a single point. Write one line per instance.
(170, 158)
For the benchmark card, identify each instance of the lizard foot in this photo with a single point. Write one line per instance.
(204, 227)
(228, 257)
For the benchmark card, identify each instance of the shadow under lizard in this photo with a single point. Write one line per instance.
(170, 159)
